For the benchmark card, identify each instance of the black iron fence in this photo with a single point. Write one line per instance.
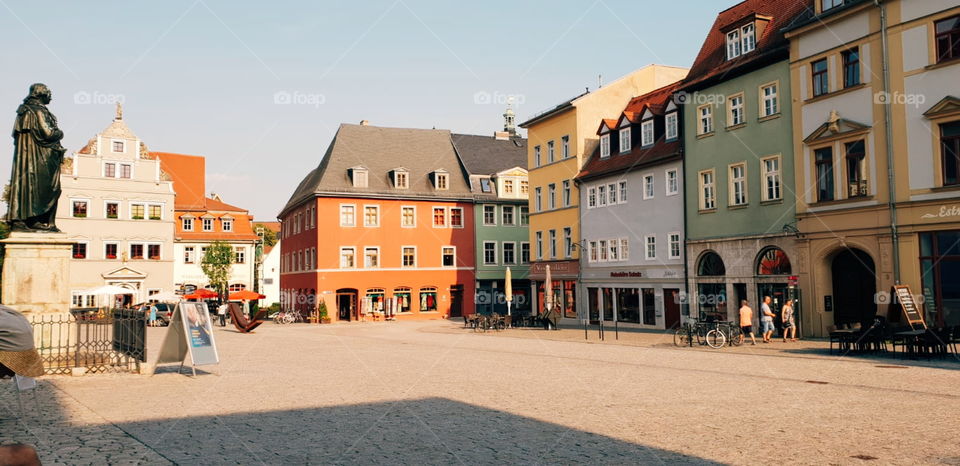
(97, 340)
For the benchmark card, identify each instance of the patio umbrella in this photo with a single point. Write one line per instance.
(548, 291)
(508, 293)
(166, 297)
(202, 293)
(245, 295)
(108, 290)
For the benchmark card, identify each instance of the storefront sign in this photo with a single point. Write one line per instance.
(626, 274)
(190, 332)
(567, 268)
(944, 212)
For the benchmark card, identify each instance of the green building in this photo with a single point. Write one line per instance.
(738, 145)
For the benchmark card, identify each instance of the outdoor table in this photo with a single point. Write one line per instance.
(843, 338)
(910, 340)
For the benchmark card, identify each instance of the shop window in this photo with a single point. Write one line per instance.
(950, 152)
(649, 306)
(428, 299)
(403, 299)
(940, 277)
(628, 305)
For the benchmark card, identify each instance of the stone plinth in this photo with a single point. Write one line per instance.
(36, 272)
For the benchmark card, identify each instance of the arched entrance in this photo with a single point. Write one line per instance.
(711, 295)
(854, 287)
(347, 304)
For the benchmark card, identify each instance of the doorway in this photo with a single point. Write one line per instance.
(854, 287)
(778, 295)
(347, 304)
(671, 307)
(456, 301)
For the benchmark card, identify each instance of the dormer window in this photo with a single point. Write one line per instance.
(830, 4)
(605, 146)
(748, 38)
(401, 179)
(646, 132)
(359, 177)
(227, 224)
(672, 128)
(625, 141)
(741, 41)
(441, 180)
(485, 185)
(733, 44)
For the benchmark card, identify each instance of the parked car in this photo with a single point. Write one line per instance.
(164, 312)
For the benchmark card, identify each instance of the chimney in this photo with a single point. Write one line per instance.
(364, 122)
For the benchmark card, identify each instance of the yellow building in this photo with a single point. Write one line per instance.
(862, 131)
(560, 140)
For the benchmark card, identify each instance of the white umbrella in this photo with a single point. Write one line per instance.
(111, 290)
(508, 295)
(548, 291)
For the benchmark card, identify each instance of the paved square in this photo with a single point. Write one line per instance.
(433, 393)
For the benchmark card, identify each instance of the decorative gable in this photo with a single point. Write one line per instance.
(948, 106)
(124, 273)
(834, 128)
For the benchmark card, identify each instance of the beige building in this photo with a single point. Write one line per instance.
(117, 209)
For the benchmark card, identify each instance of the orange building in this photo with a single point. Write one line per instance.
(382, 228)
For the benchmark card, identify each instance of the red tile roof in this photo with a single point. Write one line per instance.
(188, 173)
(711, 63)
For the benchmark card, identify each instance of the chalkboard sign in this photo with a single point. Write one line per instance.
(909, 306)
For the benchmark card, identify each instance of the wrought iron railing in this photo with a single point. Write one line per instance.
(97, 340)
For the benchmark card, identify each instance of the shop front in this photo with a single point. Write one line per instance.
(563, 276)
(641, 297)
(491, 297)
(930, 258)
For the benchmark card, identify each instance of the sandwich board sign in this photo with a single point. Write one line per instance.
(909, 307)
(190, 331)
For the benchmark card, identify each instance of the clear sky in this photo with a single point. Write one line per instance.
(259, 88)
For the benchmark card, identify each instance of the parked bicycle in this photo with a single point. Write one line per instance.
(287, 317)
(712, 334)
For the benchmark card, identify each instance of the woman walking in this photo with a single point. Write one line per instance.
(789, 325)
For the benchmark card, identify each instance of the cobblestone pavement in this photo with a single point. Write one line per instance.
(434, 393)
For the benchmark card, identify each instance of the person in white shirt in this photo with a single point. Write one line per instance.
(766, 319)
(222, 313)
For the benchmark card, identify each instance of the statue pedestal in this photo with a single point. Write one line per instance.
(36, 272)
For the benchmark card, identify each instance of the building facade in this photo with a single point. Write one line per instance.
(559, 142)
(117, 209)
(499, 184)
(383, 226)
(270, 278)
(877, 158)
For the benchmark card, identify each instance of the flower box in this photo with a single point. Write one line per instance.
(79, 215)
(111, 215)
(111, 256)
(138, 217)
(154, 218)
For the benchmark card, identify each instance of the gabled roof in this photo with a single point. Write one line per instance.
(217, 205)
(810, 15)
(487, 155)
(188, 173)
(711, 65)
(560, 108)
(380, 150)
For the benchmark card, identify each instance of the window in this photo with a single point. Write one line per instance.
(371, 216)
(136, 251)
(409, 256)
(603, 252)
(188, 254)
(153, 252)
(508, 186)
(552, 195)
(428, 299)
(623, 191)
(524, 252)
(592, 198)
(624, 249)
(524, 187)
(126, 170)
(602, 196)
(509, 253)
(524, 215)
(735, 110)
(449, 256)
(706, 119)
(348, 215)
(771, 179)
(537, 201)
(646, 133)
(828, 4)
(821, 84)
(733, 44)
(439, 217)
(400, 180)
(675, 248)
(625, 141)
(824, 164)
(489, 215)
(553, 244)
(79, 250)
(507, 216)
(648, 188)
(604, 146)
(708, 195)
(536, 156)
(347, 258)
(456, 217)
(565, 147)
(207, 224)
(650, 252)
(485, 185)
(136, 211)
(672, 128)
(673, 182)
(371, 257)
(611, 194)
(359, 176)
(770, 104)
(118, 146)
(593, 251)
(614, 246)
(240, 255)
(856, 169)
(442, 181)
(110, 170)
(489, 253)
(749, 38)
(80, 208)
(851, 67)
(550, 155)
(567, 242)
(539, 237)
(156, 212)
(566, 193)
(408, 217)
(950, 152)
(738, 184)
(112, 209)
(948, 39)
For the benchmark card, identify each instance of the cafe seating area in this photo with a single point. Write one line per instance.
(905, 341)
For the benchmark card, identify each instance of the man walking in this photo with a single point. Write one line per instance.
(746, 320)
(766, 319)
(222, 313)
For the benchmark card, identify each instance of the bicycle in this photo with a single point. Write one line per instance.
(723, 333)
(683, 335)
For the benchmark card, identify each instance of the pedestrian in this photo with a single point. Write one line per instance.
(766, 319)
(153, 315)
(222, 313)
(746, 320)
(789, 325)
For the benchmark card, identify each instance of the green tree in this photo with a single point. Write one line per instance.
(216, 265)
(269, 236)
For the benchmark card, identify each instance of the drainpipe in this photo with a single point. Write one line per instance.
(686, 250)
(887, 119)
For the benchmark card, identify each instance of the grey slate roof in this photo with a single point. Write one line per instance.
(381, 150)
(486, 155)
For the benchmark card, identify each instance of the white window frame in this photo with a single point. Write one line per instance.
(371, 248)
(402, 256)
(625, 141)
(340, 213)
(767, 176)
(602, 195)
(130, 209)
(463, 219)
(538, 200)
(539, 240)
(226, 224)
(735, 113)
(672, 126)
(707, 202)
(188, 252)
(116, 170)
(146, 251)
(551, 153)
(86, 248)
(552, 195)
(568, 242)
(360, 178)
(376, 207)
(442, 181)
(565, 147)
(446, 216)
(733, 44)
(646, 133)
(484, 253)
(704, 119)
(113, 146)
(493, 215)
(567, 193)
(593, 257)
(591, 197)
(773, 98)
(613, 250)
(353, 252)
(649, 186)
(399, 175)
(623, 192)
(403, 208)
(520, 259)
(183, 222)
(748, 38)
(120, 171)
(646, 247)
(454, 248)
(603, 252)
(674, 239)
(104, 250)
(537, 156)
(612, 198)
(738, 184)
(553, 243)
(503, 253)
(624, 249)
(605, 146)
(671, 186)
(503, 214)
(89, 207)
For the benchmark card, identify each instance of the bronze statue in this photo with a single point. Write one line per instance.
(37, 155)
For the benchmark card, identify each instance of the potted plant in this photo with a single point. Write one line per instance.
(324, 317)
